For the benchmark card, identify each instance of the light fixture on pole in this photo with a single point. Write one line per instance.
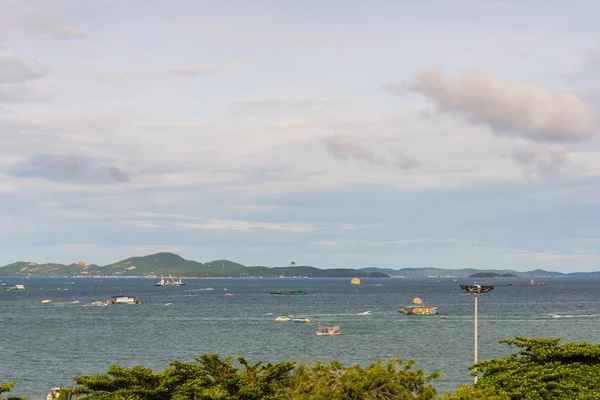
(477, 289)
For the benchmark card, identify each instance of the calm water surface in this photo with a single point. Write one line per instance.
(42, 346)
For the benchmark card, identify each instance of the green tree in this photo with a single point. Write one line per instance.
(543, 369)
(6, 387)
(393, 379)
(467, 392)
(209, 378)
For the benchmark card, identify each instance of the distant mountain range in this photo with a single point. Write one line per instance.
(172, 264)
(467, 272)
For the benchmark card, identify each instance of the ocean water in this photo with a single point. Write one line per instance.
(42, 346)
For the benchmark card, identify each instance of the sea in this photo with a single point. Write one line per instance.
(49, 345)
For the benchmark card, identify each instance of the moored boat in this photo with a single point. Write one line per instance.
(283, 319)
(328, 331)
(122, 300)
(301, 320)
(16, 287)
(290, 292)
(418, 310)
(172, 282)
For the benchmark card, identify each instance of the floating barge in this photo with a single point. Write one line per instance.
(418, 310)
(122, 300)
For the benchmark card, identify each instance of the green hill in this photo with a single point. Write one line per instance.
(173, 264)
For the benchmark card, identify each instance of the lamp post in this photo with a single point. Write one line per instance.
(477, 289)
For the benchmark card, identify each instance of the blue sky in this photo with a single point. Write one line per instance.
(352, 134)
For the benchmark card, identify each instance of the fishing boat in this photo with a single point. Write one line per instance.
(16, 287)
(301, 320)
(122, 300)
(328, 331)
(283, 319)
(290, 292)
(172, 282)
(418, 310)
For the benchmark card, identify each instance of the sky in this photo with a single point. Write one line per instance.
(336, 134)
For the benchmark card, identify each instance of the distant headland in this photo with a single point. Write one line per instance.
(492, 275)
(172, 264)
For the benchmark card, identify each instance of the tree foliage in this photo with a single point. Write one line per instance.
(391, 380)
(6, 387)
(543, 369)
(212, 378)
(208, 378)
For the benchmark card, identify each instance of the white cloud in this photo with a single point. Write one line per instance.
(235, 225)
(391, 242)
(511, 108)
(549, 256)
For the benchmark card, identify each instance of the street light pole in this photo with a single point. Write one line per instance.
(477, 290)
(476, 333)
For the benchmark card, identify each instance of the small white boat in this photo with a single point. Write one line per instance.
(16, 287)
(328, 331)
(122, 300)
(283, 319)
(364, 313)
